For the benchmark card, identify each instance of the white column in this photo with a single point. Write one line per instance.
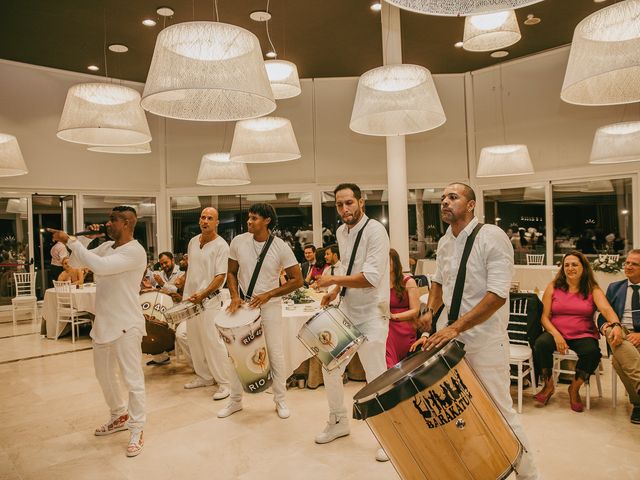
(163, 206)
(316, 216)
(396, 153)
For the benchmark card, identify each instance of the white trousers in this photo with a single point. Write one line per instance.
(124, 353)
(183, 342)
(491, 364)
(271, 314)
(372, 355)
(208, 353)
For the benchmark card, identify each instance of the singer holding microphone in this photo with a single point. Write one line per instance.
(119, 325)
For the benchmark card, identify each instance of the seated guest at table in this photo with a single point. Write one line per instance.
(168, 274)
(318, 268)
(624, 338)
(310, 257)
(332, 259)
(405, 304)
(70, 274)
(569, 304)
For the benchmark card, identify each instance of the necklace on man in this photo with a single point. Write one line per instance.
(256, 249)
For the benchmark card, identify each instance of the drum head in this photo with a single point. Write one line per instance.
(406, 379)
(154, 304)
(241, 317)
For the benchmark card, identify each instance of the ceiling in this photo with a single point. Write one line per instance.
(325, 38)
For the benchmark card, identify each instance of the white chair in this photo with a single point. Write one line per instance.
(535, 258)
(571, 355)
(25, 299)
(66, 312)
(520, 353)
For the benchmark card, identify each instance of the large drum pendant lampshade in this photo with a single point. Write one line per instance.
(504, 160)
(125, 150)
(604, 62)
(263, 140)
(103, 114)
(11, 161)
(207, 71)
(396, 100)
(283, 77)
(217, 169)
(616, 143)
(455, 8)
(490, 31)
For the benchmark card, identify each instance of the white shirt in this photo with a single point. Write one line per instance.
(170, 280)
(58, 252)
(338, 268)
(245, 250)
(627, 316)
(489, 269)
(117, 273)
(372, 260)
(205, 263)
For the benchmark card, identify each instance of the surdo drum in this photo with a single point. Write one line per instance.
(243, 335)
(331, 336)
(435, 420)
(160, 335)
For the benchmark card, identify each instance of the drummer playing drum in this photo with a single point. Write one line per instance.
(483, 316)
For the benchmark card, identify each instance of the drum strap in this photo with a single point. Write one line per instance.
(256, 271)
(454, 311)
(353, 255)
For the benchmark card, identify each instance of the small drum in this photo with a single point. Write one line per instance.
(331, 336)
(435, 420)
(160, 336)
(182, 311)
(242, 333)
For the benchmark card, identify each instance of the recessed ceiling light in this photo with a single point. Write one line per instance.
(165, 11)
(148, 22)
(458, 44)
(260, 16)
(532, 20)
(376, 7)
(499, 54)
(118, 48)
(93, 68)
(271, 54)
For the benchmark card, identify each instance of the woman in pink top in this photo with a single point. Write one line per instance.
(404, 304)
(570, 302)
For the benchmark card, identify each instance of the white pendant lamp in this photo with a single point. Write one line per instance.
(396, 100)
(207, 71)
(283, 77)
(262, 140)
(490, 31)
(17, 205)
(217, 169)
(604, 62)
(455, 8)
(11, 160)
(598, 186)
(103, 114)
(616, 143)
(504, 160)
(185, 203)
(125, 150)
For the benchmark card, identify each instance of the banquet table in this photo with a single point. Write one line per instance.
(294, 317)
(84, 299)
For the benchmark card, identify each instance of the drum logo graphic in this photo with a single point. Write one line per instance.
(252, 336)
(443, 403)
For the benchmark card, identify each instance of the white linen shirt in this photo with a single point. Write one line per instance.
(170, 280)
(489, 269)
(338, 269)
(205, 263)
(245, 251)
(372, 260)
(117, 273)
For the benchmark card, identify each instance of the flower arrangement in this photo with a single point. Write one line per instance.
(606, 263)
(299, 296)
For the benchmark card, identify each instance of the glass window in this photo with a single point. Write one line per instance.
(14, 244)
(593, 217)
(293, 210)
(425, 225)
(520, 213)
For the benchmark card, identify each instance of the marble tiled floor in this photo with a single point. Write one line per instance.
(49, 407)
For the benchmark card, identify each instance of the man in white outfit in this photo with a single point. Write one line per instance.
(208, 258)
(119, 326)
(365, 303)
(484, 313)
(243, 256)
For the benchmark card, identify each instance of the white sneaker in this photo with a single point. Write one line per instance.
(283, 410)
(336, 427)
(231, 408)
(222, 393)
(381, 456)
(197, 383)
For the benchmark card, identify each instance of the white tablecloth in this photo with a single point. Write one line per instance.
(294, 351)
(84, 299)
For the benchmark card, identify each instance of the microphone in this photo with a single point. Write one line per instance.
(102, 230)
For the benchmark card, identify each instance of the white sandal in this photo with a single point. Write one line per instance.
(116, 424)
(136, 442)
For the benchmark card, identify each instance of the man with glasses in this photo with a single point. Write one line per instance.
(624, 337)
(119, 326)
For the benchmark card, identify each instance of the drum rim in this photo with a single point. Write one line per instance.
(223, 312)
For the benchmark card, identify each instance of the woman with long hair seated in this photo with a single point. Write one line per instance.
(318, 268)
(404, 304)
(570, 302)
(70, 274)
